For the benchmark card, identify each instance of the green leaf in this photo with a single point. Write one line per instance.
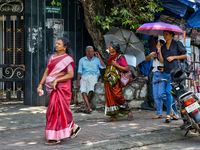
(129, 14)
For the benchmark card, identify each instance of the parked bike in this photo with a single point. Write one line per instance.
(187, 101)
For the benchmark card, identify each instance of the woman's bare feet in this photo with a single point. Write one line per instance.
(130, 117)
(112, 119)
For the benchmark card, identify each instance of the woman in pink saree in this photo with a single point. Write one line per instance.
(57, 78)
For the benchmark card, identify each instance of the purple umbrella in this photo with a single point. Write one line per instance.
(157, 28)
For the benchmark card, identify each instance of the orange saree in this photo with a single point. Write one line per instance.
(115, 102)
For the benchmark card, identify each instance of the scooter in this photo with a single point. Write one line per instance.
(187, 102)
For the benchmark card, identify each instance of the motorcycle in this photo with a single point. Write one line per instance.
(187, 101)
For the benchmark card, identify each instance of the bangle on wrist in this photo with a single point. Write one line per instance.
(178, 57)
(40, 84)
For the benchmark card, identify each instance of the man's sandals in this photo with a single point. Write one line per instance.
(75, 133)
(84, 110)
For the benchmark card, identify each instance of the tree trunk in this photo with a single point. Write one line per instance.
(92, 8)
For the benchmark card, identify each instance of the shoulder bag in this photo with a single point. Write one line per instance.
(184, 65)
(125, 77)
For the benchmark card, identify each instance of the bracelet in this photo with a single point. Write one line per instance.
(178, 57)
(40, 84)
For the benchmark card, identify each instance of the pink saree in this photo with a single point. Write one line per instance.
(59, 120)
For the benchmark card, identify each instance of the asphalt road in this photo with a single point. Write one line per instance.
(189, 144)
(23, 127)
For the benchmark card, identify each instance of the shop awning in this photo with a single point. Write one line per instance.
(190, 3)
(175, 6)
(194, 20)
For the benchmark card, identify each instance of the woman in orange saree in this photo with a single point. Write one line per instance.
(58, 76)
(116, 105)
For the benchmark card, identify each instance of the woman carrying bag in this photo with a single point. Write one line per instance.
(116, 105)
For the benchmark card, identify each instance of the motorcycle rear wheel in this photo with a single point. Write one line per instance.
(194, 125)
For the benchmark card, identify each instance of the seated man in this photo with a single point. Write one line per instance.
(88, 73)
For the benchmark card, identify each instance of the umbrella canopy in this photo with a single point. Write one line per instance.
(130, 45)
(157, 28)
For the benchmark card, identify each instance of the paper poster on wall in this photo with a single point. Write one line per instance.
(54, 30)
(58, 28)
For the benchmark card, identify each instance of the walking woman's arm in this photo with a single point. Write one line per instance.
(43, 80)
(181, 56)
(69, 75)
(176, 57)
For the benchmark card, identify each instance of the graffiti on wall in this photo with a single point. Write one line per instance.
(34, 38)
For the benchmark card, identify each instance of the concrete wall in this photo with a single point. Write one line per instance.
(135, 93)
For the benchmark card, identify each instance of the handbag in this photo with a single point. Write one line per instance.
(184, 65)
(125, 78)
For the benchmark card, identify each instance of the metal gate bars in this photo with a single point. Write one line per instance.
(11, 58)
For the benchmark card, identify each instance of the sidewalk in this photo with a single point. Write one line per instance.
(23, 127)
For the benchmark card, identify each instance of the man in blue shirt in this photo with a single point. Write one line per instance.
(88, 73)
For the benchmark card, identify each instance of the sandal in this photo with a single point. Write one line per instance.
(168, 119)
(52, 142)
(157, 117)
(90, 110)
(75, 133)
(78, 110)
(111, 120)
(87, 111)
(174, 118)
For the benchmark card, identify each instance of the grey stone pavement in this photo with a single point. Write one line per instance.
(23, 127)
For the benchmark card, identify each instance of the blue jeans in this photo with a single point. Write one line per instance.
(159, 93)
(170, 99)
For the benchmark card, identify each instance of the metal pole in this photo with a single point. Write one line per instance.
(14, 51)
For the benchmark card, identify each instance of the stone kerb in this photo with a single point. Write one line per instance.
(135, 93)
